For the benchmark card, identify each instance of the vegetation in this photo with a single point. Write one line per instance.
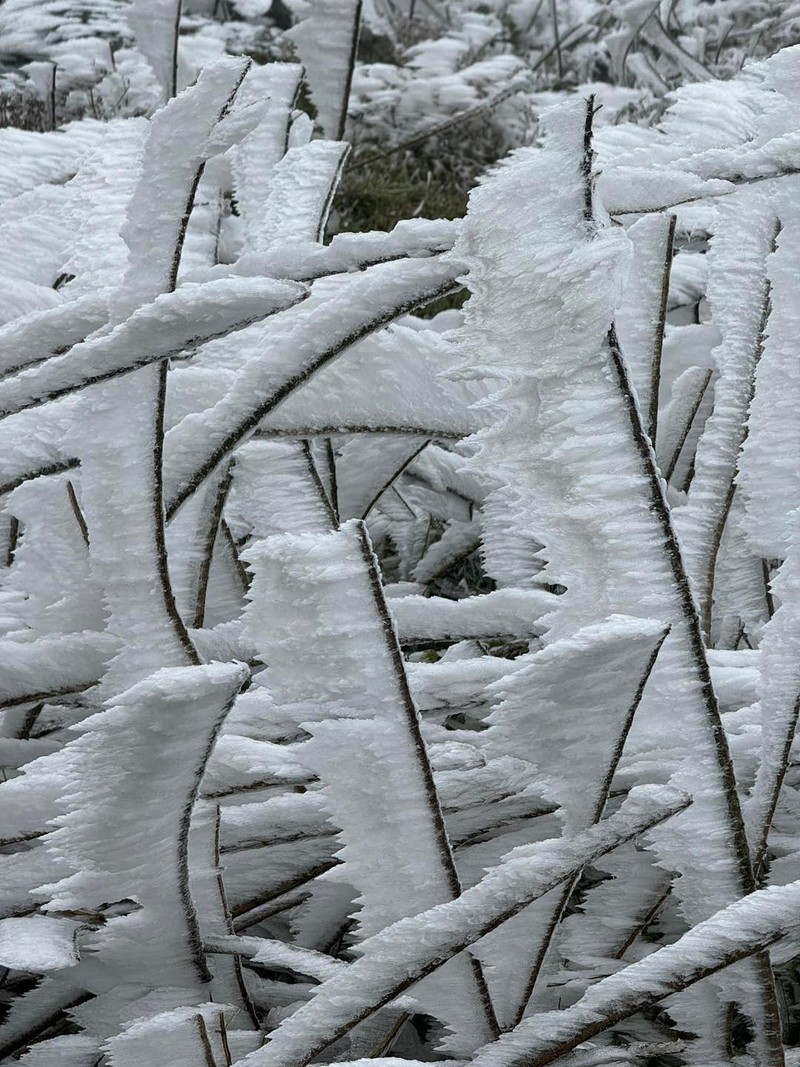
(400, 588)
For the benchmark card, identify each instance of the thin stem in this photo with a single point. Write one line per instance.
(159, 528)
(13, 538)
(413, 723)
(250, 422)
(602, 799)
(212, 532)
(205, 1043)
(319, 487)
(330, 457)
(172, 88)
(557, 39)
(76, 509)
(727, 501)
(392, 479)
(351, 63)
(658, 346)
(329, 429)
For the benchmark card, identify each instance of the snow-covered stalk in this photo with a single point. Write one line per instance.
(779, 704)
(351, 695)
(308, 338)
(401, 954)
(156, 26)
(180, 139)
(577, 473)
(742, 929)
(739, 296)
(326, 39)
(641, 318)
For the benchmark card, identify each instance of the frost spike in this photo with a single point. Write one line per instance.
(320, 335)
(739, 293)
(22, 341)
(641, 319)
(768, 467)
(36, 1012)
(581, 480)
(278, 954)
(742, 929)
(302, 187)
(157, 31)
(49, 667)
(326, 39)
(779, 703)
(367, 468)
(170, 171)
(581, 689)
(400, 955)
(174, 717)
(511, 613)
(688, 391)
(255, 158)
(213, 915)
(367, 727)
(160, 330)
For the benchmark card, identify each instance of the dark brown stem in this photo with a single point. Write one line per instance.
(330, 457)
(250, 421)
(669, 469)
(57, 467)
(594, 818)
(250, 912)
(79, 516)
(768, 597)
(423, 763)
(393, 478)
(313, 474)
(208, 1053)
(642, 925)
(658, 347)
(351, 63)
(586, 163)
(334, 185)
(172, 88)
(435, 433)
(159, 530)
(557, 39)
(212, 531)
(233, 548)
(13, 538)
